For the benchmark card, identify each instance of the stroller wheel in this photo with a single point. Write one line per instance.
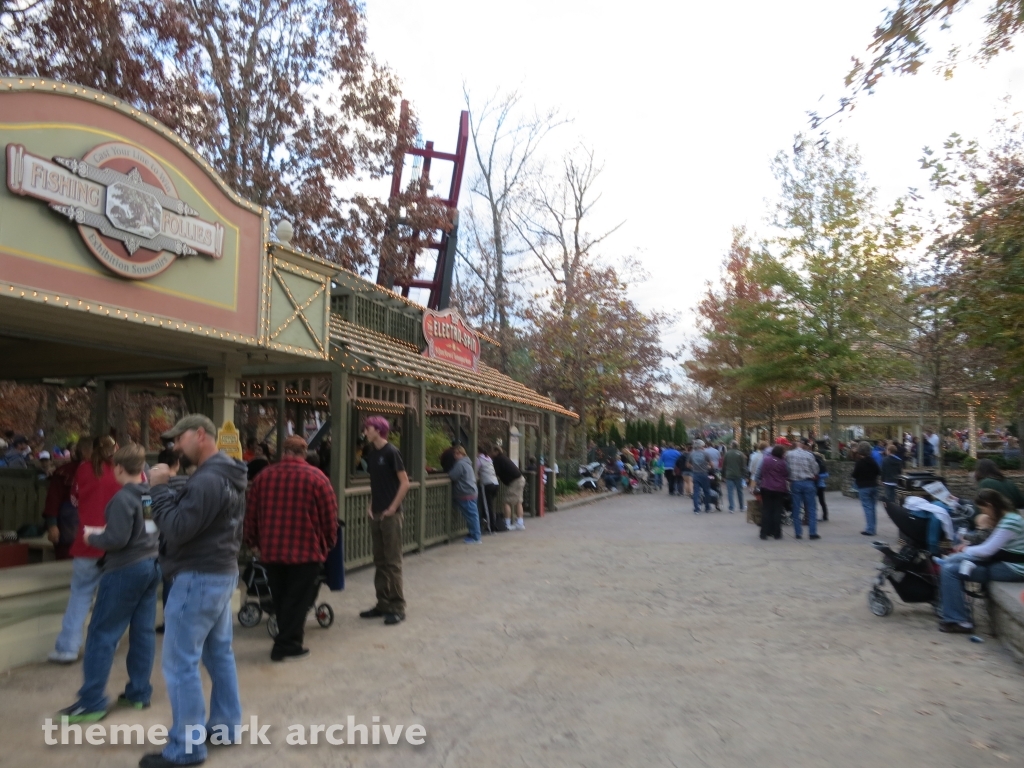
(879, 603)
(272, 626)
(249, 614)
(324, 615)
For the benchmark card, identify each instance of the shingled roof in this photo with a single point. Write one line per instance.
(374, 351)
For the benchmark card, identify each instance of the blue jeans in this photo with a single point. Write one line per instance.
(198, 625)
(701, 487)
(954, 607)
(736, 483)
(868, 499)
(85, 578)
(469, 511)
(805, 496)
(126, 598)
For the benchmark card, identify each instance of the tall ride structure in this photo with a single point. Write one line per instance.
(440, 240)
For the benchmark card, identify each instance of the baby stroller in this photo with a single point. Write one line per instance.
(257, 587)
(716, 491)
(643, 480)
(910, 568)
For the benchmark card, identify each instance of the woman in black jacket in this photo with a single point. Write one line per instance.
(865, 477)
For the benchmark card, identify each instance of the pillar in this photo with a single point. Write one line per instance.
(420, 474)
(552, 461)
(474, 447)
(339, 435)
(225, 393)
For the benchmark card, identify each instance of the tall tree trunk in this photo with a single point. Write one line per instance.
(500, 291)
(833, 426)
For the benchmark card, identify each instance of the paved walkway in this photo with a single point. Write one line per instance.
(625, 633)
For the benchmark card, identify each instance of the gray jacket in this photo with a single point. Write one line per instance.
(463, 479)
(125, 539)
(202, 523)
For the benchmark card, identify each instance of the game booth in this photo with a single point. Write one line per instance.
(128, 265)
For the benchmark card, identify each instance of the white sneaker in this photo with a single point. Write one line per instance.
(63, 657)
(520, 525)
(509, 525)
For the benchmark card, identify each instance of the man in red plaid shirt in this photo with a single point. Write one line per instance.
(291, 519)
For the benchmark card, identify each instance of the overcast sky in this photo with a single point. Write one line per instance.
(685, 104)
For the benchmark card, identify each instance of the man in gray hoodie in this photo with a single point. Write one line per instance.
(126, 594)
(202, 528)
(463, 479)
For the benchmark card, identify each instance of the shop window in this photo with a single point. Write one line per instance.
(257, 425)
(442, 429)
(494, 433)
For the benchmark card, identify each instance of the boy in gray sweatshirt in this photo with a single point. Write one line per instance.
(126, 595)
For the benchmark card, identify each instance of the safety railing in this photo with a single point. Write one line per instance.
(440, 525)
(438, 510)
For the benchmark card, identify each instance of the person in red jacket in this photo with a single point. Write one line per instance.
(291, 519)
(60, 513)
(94, 486)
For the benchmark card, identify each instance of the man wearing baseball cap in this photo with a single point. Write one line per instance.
(202, 529)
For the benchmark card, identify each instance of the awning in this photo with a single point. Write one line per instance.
(368, 351)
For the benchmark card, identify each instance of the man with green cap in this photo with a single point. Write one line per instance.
(202, 528)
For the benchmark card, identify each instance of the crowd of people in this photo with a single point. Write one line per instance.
(131, 528)
(701, 471)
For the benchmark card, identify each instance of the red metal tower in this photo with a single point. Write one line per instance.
(443, 242)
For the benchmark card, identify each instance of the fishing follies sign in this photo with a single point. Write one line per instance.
(124, 204)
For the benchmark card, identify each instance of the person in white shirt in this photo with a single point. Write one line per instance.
(756, 457)
(489, 482)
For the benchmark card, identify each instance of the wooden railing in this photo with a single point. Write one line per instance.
(22, 497)
(443, 521)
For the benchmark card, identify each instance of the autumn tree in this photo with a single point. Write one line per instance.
(982, 252)
(281, 96)
(900, 43)
(596, 351)
(725, 355)
(833, 267)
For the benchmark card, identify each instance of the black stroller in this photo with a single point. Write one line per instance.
(256, 586)
(910, 568)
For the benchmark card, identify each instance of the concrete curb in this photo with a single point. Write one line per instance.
(586, 500)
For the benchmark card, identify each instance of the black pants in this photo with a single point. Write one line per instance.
(495, 522)
(821, 500)
(294, 588)
(675, 482)
(771, 513)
